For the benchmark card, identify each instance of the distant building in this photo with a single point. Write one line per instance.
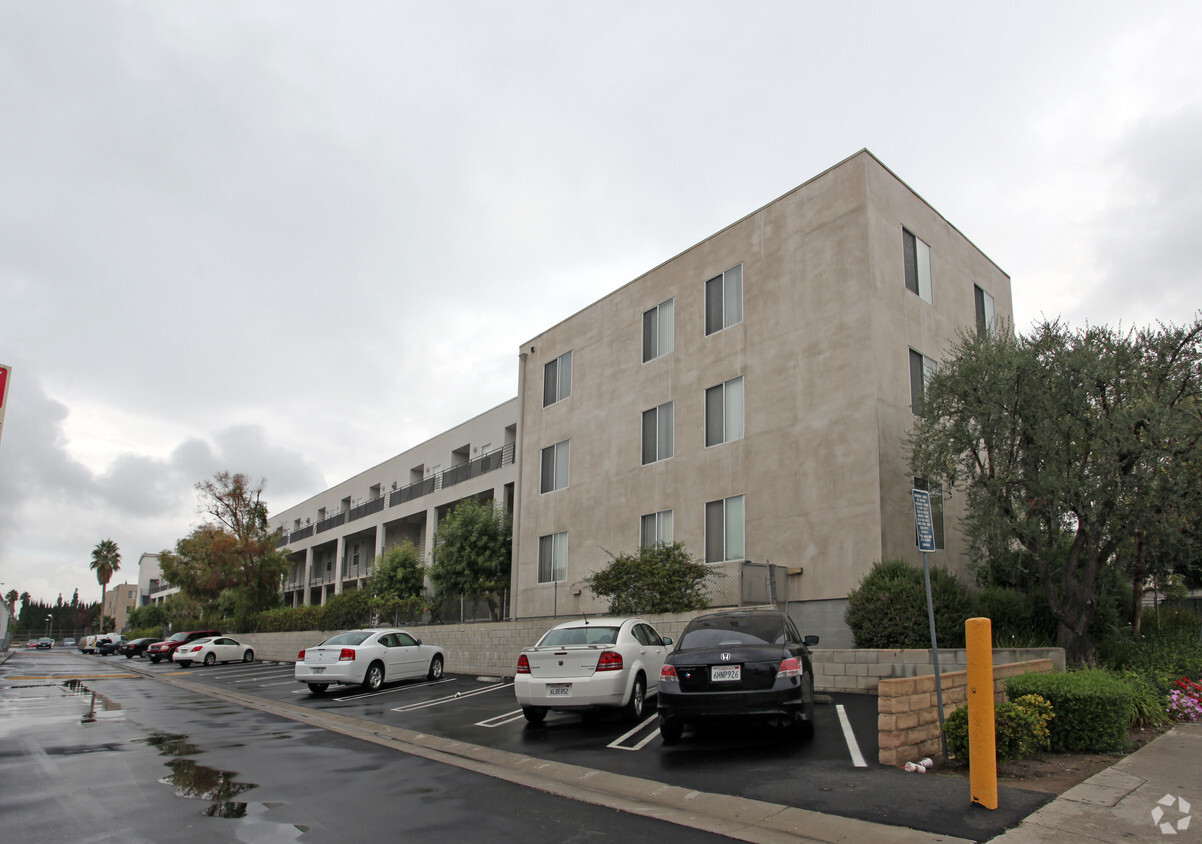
(152, 588)
(118, 601)
(747, 398)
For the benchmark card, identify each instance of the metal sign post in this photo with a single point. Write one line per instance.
(925, 526)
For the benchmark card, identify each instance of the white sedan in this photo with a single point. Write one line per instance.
(368, 657)
(590, 664)
(212, 649)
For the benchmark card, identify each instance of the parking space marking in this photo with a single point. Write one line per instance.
(394, 689)
(502, 720)
(857, 758)
(616, 744)
(452, 698)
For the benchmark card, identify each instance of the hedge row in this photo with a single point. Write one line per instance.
(1093, 708)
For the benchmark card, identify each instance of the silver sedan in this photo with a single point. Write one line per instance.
(369, 658)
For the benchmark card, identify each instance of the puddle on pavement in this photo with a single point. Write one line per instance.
(199, 782)
(99, 706)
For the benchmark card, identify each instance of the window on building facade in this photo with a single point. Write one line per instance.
(555, 467)
(655, 528)
(724, 530)
(724, 412)
(724, 300)
(921, 370)
(557, 379)
(985, 310)
(918, 266)
(657, 433)
(553, 557)
(936, 491)
(657, 331)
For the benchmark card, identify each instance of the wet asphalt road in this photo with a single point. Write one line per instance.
(91, 752)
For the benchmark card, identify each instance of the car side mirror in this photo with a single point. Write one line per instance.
(811, 640)
(419, 641)
(667, 640)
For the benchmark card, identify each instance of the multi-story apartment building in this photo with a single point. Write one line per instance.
(334, 537)
(152, 588)
(749, 397)
(119, 599)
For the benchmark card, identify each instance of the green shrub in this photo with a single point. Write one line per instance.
(662, 578)
(346, 611)
(1020, 728)
(1093, 708)
(889, 608)
(1012, 614)
(1174, 623)
(1148, 702)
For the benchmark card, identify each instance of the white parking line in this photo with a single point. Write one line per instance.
(395, 689)
(452, 698)
(616, 744)
(502, 720)
(857, 758)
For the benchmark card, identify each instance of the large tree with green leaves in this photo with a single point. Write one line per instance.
(106, 559)
(1063, 442)
(231, 560)
(472, 552)
(397, 581)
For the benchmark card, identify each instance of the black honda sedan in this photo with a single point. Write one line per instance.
(738, 665)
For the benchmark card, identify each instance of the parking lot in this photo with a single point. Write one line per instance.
(835, 772)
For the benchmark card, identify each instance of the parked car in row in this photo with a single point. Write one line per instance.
(164, 650)
(45, 643)
(32, 643)
(589, 665)
(212, 649)
(736, 666)
(68, 642)
(136, 647)
(87, 645)
(369, 658)
(107, 643)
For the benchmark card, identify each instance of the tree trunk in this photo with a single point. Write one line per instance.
(1138, 577)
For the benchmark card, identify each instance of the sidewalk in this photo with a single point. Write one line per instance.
(1118, 804)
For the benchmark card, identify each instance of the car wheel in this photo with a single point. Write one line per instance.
(154, 659)
(633, 710)
(435, 668)
(129, 656)
(210, 658)
(534, 714)
(670, 729)
(249, 656)
(374, 678)
(318, 688)
(184, 663)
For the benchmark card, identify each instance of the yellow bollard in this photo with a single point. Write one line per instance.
(982, 742)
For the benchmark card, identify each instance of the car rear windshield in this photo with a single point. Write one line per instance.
(355, 637)
(730, 631)
(582, 635)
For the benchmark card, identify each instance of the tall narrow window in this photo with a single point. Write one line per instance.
(985, 309)
(553, 557)
(936, 492)
(655, 529)
(724, 530)
(555, 467)
(657, 331)
(724, 412)
(557, 379)
(917, 256)
(921, 370)
(724, 300)
(657, 433)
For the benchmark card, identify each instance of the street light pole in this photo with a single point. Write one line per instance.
(48, 618)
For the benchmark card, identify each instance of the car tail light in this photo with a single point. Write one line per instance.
(791, 667)
(523, 665)
(609, 661)
(347, 654)
(667, 674)
(300, 657)
(197, 648)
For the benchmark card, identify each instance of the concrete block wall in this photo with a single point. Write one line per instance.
(908, 708)
(861, 670)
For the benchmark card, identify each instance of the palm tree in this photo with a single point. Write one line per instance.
(106, 559)
(11, 599)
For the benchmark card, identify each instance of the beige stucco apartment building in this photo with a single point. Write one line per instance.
(334, 538)
(748, 398)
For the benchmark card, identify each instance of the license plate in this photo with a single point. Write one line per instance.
(559, 690)
(725, 673)
(317, 670)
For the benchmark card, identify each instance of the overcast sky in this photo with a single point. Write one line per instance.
(294, 239)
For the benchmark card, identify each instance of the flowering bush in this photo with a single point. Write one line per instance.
(1185, 700)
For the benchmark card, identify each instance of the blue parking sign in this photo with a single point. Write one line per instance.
(922, 520)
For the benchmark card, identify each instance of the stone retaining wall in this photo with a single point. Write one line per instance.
(908, 709)
(860, 670)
